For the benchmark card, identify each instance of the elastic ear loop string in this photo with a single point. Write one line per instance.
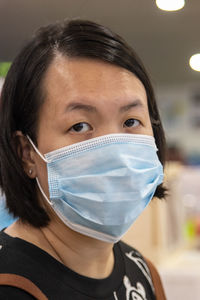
(45, 160)
(35, 148)
(43, 193)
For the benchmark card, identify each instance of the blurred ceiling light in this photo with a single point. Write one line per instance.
(195, 62)
(170, 5)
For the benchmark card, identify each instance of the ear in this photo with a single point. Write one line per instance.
(26, 153)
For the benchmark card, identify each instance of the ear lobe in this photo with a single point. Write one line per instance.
(25, 152)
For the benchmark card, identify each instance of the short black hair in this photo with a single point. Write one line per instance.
(22, 96)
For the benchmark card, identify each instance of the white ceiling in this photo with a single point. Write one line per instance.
(164, 40)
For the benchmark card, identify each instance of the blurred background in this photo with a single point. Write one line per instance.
(168, 232)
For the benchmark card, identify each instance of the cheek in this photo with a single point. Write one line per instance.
(149, 126)
(150, 130)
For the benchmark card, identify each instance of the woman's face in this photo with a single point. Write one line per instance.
(86, 98)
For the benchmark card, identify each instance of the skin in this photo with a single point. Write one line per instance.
(105, 99)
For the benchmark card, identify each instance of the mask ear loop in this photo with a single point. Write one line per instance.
(44, 159)
(36, 149)
(43, 193)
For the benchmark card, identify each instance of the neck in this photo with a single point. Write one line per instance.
(84, 255)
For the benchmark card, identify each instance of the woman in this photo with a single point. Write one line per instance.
(78, 165)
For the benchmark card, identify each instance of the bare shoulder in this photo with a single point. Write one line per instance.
(26, 232)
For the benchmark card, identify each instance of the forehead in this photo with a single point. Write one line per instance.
(69, 78)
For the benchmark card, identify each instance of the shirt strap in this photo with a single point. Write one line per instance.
(22, 283)
(159, 291)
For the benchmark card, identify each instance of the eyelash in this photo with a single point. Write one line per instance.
(83, 123)
(78, 124)
(135, 120)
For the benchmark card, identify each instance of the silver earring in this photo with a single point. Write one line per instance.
(30, 171)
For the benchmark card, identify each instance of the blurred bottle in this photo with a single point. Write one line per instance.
(191, 202)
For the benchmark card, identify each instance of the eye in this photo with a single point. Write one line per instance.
(80, 127)
(131, 123)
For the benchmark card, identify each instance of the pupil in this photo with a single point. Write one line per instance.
(78, 127)
(130, 122)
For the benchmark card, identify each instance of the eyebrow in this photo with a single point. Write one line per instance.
(80, 106)
(90, 108)
(134, 104)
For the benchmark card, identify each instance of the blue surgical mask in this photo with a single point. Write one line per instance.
(99, 187)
